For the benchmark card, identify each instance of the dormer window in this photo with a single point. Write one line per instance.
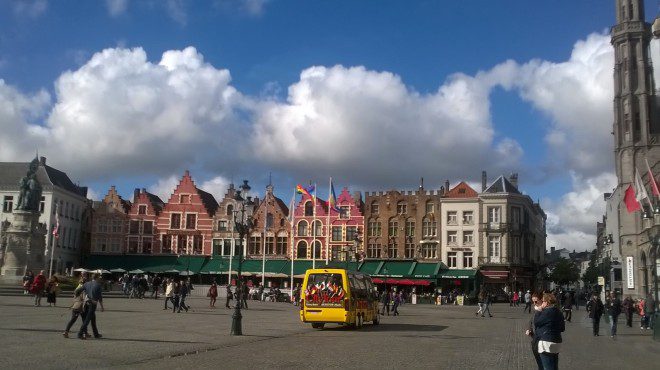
(142, 209)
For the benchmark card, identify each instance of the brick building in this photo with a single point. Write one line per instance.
(271, 216)
(110, 223)
(143, 235)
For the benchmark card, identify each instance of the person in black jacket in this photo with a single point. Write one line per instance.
(548, 326)
(536, 299)
(613, 310)
(595, 309)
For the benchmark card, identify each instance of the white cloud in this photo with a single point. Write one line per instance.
(176, 9)
(31, 8)
(164, 187)
(217, 186)
(116, 7)
(250, 7)
(20, 138)
(93, 195)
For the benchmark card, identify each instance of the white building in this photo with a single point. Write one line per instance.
(460, 227)
(58, 189)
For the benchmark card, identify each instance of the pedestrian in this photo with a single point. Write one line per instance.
(212, 294)
(385, 300)
(176, 296)
(296, 295)
(536, 299)
(94, 298)
(37, 287)
(155, 286)
(28, 279)
(595, 310)
(77, 308)
(481, 298)
(568, 306)
(397, 302)
(52, 288)
(516, 297)
(548, 326)
(576, 299)
(183, 292)
(628, 309)
(229, 295)
(649, 310)
(528, 302)
(245, 292)
(168, 292)
(488, 299)
(613, 310)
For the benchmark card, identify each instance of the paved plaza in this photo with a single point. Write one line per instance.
(140, 334)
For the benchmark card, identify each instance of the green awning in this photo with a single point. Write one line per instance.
(395, 269)
(458, 274)
(132, 262)
(426, 270)
(216, 265)
(371, 267)
(190, 263)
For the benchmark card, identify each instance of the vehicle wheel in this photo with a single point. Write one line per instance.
(376, 320)
(359, 321)
(318, 325)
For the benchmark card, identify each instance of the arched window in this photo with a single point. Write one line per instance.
(318, 228)
(392, 228)
(430, 207)
(302, 228)
(309, 209)
(269, 220)
(317, 249)
(301, 250)
(230, 209)
(401, 208)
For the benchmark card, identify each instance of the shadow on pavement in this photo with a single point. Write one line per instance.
(150, 341)
(394, 327)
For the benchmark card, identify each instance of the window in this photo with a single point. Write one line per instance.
(336, 233)
(8, 204)
(66, 210)
(393, 228)
(317, 250)
(409, 251)
(410, 227)
(494, 214)
(345, 212)
(430, 207)
(191, 221)
(468, 218)
(451, 259)
(515, 247)
(222, 225)
(42, 204)
(142, 209)
(374, 228)
(282, 222)
(182, 244)
(282, 242)
(302, 228)
(198, 242)
(375, 209)
(318, 229)
(467, 259)
(134, 227)
(101, 226)
(373, 250)
(270, 245)
(184, 198)
(226, 247)
(146, 246)
(132, 245)
(309, 208)
(147, 227)
(230, 209)
(116, 225)
(494, 248)
(452, 218)
(270, 220)
(392, 251)
(429, 250)
(468, 237)
(167, 244)
(55, 207)
(429, 228)
(301, 250)
(175, 221)
(452, 237)
(101, 245)
(216, 246)
(515, 216)
(351, 233)
(401, 208)
(254, 246)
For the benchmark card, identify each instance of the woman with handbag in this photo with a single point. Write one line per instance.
(52, 289)
(77, 309)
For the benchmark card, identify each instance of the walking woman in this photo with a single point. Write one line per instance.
(536, 300)
(213, 294)
(628, 309)
(548, 326)
(77, 308)
(28, 278)
(37, 288)
(52, 288)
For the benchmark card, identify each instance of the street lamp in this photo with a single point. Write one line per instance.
(242, 226)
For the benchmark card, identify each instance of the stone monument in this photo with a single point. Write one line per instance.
(22, 240)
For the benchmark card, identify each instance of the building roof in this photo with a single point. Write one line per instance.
(462, 190)
(155, 200)
(208, 200)
(12, 172)
(502, 185)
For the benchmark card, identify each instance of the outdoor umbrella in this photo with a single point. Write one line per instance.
(118, 270)
(101, 271)
(172, 271)
(186, 273)
(80, 269)
(136, 271)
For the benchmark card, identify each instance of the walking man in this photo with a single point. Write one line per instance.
(528, 302)
(229, 294)
(168, 292)
(94, 297)
(397, 302)
(487, 302)
(385, 300)
(568, 306)
(184, 293)
(155, 285)
(481, 299)
(614, 310)
(595, 309)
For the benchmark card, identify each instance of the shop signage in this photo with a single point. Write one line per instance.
(630, 272)
(601, 280)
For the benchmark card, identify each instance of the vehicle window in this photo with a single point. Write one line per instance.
(324, 290)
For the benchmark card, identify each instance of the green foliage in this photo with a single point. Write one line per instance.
(565, 272)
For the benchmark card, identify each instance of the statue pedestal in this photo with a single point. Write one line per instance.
(25, 240)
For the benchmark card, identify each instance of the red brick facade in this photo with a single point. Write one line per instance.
(143, 235)
(278, 232)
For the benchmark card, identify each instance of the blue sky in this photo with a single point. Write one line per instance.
(374, 93)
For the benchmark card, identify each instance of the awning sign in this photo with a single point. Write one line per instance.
(630, 272)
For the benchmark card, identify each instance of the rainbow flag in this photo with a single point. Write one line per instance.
(302, 190)
(333, 198)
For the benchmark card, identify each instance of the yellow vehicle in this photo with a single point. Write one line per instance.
(338, 296)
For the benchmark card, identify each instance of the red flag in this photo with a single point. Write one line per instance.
(654, 186)
(631, 202)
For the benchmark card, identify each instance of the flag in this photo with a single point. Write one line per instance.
(305, 190)
(654, 186)
(632, 204)
(640, 189)
(56, 229)
(333, 198)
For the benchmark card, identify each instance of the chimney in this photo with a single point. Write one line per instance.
(513, 179)
(421, 183)
(42, 160)
(136, 195)
(143, 191)
(484, 180)
(447, 186)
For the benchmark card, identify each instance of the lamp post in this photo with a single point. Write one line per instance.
(242, 226)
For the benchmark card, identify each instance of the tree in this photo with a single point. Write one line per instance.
(590, 276)
(565, 272)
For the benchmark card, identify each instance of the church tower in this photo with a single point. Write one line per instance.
(636, 124)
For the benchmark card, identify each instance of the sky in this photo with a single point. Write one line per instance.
(375, 94)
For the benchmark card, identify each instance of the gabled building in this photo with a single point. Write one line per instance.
(143, 234)
(224, 234)
(186, 221)
(272, 229)
(346, 227)
(460, 228)
(109, 223)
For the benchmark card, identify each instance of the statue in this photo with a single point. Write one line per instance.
(30, 189)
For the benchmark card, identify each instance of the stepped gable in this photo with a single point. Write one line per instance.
(187, 185)
(462, 190)
(114, 200)
(143, 197)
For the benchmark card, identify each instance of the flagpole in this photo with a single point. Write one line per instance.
(293, 256)
(232, 246)
(54, 237)
(654, 186)
(640, 183)
(263, 254)
(314, 230)
(327, 236)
